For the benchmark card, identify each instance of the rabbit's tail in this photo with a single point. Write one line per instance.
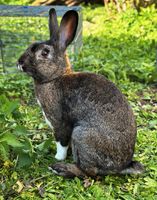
(135, 167)
(67, 170)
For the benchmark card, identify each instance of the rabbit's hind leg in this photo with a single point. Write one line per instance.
(83, 150)
(84, 157)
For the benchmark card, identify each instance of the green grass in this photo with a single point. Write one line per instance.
(123, 48)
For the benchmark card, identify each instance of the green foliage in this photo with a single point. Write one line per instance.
(120, 46)
(8, 113)
(16, 2)
(14, 137)
(123, 48)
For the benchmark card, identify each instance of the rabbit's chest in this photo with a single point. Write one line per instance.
(48, 98)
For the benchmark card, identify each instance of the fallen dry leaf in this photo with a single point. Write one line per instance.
(18, 186)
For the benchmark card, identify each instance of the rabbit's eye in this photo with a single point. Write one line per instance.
(45, 52)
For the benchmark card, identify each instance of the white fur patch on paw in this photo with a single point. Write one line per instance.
(61, 151)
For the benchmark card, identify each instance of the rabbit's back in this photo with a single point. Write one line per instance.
(92, 98)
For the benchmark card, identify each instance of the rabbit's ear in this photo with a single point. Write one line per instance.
(67, 29)
(53, 25)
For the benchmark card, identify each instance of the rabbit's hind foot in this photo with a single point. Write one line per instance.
(67, 170)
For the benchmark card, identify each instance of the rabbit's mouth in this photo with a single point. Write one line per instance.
(20, 67)
(31, 72)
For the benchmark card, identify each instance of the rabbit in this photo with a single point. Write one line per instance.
(84, 109)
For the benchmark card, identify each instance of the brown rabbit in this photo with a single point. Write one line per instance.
(85, 109)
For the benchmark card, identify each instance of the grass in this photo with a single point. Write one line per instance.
(123, 48)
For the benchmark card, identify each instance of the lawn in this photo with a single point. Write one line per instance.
(123, 48)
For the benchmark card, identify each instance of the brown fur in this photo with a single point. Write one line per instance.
(68, 64)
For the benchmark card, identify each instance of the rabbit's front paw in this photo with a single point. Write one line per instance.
(61, 151)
